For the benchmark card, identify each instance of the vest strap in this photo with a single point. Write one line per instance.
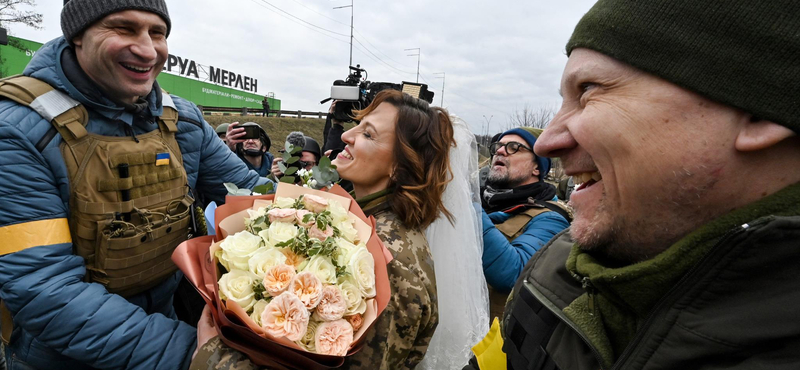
(53, 105)
(512, 228)
(529, 329)
(169, 116)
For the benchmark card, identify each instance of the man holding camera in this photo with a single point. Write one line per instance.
(309, 156)
(251, 143)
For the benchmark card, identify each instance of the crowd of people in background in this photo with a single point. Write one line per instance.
(677, 247)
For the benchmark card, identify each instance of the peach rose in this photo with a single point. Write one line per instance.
(281, 215)
(315, 203)
(308, 288)
(292, 258)
(332, 305)
(355, 320)
(277, 279)
(285, 316)
(334, 337)
(300, 214)
(316, 233)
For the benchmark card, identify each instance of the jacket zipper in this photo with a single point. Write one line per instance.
(669, 297)
(561, 316)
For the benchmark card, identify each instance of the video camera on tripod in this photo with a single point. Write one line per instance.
(355, 93)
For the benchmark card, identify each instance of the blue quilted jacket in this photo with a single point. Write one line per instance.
(60, 321)
(503, 260)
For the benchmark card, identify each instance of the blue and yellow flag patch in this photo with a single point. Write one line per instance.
(162, 159)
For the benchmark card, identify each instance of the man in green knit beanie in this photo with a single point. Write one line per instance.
(679, 126)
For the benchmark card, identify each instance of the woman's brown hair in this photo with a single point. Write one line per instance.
(423, 137)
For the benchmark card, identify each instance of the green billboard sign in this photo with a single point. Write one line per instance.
(19, 52)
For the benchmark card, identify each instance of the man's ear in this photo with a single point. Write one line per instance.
(78, 39)
(761, 134)
(535, 170)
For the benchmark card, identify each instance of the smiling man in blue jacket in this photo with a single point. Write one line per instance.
(520, 214)
(98, 171)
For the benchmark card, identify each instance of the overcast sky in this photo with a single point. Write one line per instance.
(497, 56)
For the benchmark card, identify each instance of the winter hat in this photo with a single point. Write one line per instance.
(78, 15)
(741, 53)
(530, 135)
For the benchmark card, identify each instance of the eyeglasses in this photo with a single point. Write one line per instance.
(304, 164)
(511, 147)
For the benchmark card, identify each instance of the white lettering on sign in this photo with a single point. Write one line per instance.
(224, 94)
(188, 68)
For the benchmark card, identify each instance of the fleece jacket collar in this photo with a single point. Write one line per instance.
(618, 300)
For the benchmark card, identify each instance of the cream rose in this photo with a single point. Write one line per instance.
(334, 337)
(237, 286)
(285, 316)
(278, 278)
(265, 259)
(347, 231)
(352, 295)
(237, 249)
(321, 235)
(308, 288)
(315, 203)
(338, 213)
(281, 215)
(362, 266)
(344, 251)
(332, 305)
(323, 268)
(258, 309)
(278, 232)
(307, 341)
(302, 214)
(283, 202)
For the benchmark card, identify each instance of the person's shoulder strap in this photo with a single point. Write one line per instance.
(170, 113)
(66, 114)
(523, 214)
(559, 207)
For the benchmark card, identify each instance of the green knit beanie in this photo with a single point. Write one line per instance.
(741, 53)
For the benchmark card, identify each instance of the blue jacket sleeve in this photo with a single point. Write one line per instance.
(503, 260)
(41, 281)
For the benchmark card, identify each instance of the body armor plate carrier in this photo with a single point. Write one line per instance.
(130, 204)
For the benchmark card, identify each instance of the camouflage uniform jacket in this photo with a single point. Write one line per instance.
(400, 337)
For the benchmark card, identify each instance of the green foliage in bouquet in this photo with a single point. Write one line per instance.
(291, 155)
(258, 190)
(321, 176)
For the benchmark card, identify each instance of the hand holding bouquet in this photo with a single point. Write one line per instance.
(303, 269)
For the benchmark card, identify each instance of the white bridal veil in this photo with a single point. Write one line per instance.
(457, 251)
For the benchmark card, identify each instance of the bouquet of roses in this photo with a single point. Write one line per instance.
(302, 269)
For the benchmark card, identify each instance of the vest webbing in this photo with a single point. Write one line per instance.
(126, 243)
(512, 228)
(528, 329)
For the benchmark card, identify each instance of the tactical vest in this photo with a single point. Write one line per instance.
(130, 203)
(513, 228)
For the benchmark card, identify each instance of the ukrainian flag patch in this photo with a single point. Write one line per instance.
(162, 159)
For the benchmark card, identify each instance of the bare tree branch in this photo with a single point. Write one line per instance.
(529, 117)
(10, 14)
